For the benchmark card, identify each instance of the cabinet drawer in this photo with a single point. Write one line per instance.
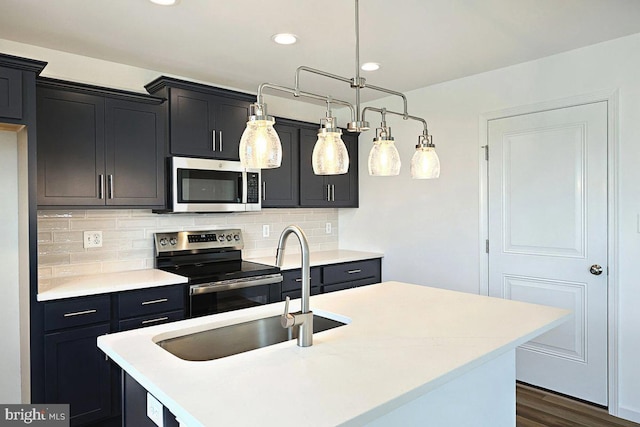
(292, 279)
(348, 285)
(150, 320)
(150, 301)
(351, 271)
(77, 312)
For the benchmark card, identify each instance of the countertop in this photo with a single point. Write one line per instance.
(292, 260)
(93, 284)
(401, 341)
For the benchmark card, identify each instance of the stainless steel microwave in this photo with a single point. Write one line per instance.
(209, 185)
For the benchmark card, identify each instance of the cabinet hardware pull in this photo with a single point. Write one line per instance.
(159, 319)
(357, 270)
(328, 192)
(101, 186)
(220, 141)
(264, 190)
(299, 279)
(333, 192)
(213, 140)
(110, 186)
(80, 313)
(155, 301)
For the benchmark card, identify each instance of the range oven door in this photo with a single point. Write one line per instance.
(219, 297)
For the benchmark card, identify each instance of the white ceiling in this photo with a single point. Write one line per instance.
(228, 42)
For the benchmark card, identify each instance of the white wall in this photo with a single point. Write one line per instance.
(428, 230)
(10, 386)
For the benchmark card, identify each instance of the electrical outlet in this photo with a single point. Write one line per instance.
(154, 410)
(92, 239)
(327, 228)
(265, 230)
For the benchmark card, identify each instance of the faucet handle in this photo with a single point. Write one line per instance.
(287, 320)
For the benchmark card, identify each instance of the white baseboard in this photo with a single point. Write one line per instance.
(629, 414)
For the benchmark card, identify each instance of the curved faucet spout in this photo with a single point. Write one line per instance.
(304, 319)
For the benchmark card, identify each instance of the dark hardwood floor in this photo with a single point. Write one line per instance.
(540, 408)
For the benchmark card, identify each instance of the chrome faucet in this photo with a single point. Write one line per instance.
(302, 319)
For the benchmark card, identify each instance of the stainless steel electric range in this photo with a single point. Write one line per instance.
(219, 279)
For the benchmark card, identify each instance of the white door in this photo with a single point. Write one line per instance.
(547, 194)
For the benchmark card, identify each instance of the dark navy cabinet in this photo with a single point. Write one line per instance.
(17, 76)
(204, 121)
(10, 93)
(339, 191)
(99, 149)
(281, 186)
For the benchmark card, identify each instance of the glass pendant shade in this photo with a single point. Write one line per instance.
(384, 159)
(330, 155)
(425, 163)
(260, 146)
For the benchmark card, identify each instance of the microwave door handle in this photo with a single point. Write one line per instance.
(242, 185)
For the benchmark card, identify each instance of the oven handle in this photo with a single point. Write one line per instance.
(228, 285)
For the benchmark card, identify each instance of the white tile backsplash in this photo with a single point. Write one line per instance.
(128, 235)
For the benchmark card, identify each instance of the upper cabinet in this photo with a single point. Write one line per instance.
(338, 191)
(204, 121)
(99, 147)
(281, 186)
(17, 78)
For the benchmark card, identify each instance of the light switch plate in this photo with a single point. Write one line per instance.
(154, 410)
(265, 230)
(92, 239)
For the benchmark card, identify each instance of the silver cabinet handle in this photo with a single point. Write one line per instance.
(333, 192)
(155, 301)
(110, 186)
(213, 140)
(220, 141)
(159, 319)
(80, 313)
(100, 186)
(264, 190)
(299, 279)
(328, 192)
(357, 270)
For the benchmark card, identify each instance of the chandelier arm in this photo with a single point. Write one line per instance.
(405, 116)
(297, 93)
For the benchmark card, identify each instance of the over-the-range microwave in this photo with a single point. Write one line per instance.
(210, 185)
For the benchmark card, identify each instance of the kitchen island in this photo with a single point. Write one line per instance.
(408, 355)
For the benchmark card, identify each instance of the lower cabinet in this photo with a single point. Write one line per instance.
(76, 371)
(333, 277)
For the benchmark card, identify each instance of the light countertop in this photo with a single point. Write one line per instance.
(401, 341)
(93, 284)
(292, 260)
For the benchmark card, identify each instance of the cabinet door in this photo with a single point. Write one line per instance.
(313, 188)
(345, 187)
(135, 138)
(10, 93)
(280, 186)
(70, 148)
(229, 124)
(77, 373)
(192, 115)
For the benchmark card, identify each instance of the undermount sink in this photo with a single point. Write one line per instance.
(233, 339)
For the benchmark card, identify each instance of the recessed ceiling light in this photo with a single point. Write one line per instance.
(370, 66)
(165, 2)
(285, 38)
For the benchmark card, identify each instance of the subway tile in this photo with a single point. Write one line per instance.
(44, 273)
(45, 237)
(142, 213)
(93, 224)
(136, 223)
(175, 221)
(108, 213)
(76, 270)
(68, 236)
(53, 259)
(61, 214)
(58, 224)
(108, 235)
(93, 256)
(136, 254)
(59, 248)
(112, 267)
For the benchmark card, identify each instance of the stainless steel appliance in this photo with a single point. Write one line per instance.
(219, 280)
(209, 185)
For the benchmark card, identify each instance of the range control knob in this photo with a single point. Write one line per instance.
(229, 237)
(163, 241)
(236, 237)
(173, 241)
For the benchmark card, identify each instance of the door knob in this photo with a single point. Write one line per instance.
(596, 270)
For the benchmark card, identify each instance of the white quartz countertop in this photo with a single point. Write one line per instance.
(316, 258)
(93, 284)
(401, 341)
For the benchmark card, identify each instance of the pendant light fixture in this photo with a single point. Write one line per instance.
(260, 146)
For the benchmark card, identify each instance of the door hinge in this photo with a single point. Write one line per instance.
(486, 152)
(486, 246)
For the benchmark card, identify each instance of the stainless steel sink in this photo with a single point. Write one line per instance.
(238, 338)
